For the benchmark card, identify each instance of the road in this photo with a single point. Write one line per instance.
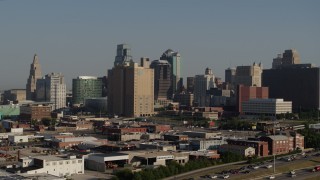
(301, 165)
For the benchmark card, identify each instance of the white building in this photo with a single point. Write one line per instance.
(54, 165)
(202, 83)
(52, 88)
(266, 107)
(206, 144)
(17, 138)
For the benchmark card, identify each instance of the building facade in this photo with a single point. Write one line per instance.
(248, 75)
(131, 90)
(54, 165)
(244, 93)
(174, 58)
(35, 74)
(202, 83)
(261, 147)
(123, 55)
(241, 150)
(14, 95)
(297, 83)
(52, 88)
(277, 144)
(85, 87)
(190, 84)
(162, 79)
(266, 107)
(35, 111)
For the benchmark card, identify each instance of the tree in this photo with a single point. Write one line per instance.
(49, 121)
(2, 129)
(46, 121)
(125, 174)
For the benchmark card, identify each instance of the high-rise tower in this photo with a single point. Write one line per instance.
(174, 59)
(162, 79)
(131, 91)
(202, 83)
(123, 55)
(52, 88)
(35, 74)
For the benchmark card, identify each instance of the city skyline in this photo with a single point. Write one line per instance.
(81, 39)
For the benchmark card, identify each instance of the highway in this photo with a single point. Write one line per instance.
(301, 165)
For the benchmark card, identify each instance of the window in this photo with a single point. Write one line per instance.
(79, 161)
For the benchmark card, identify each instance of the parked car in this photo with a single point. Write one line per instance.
(213, 177)
(225, 176)
(272, 177)
(269, 166)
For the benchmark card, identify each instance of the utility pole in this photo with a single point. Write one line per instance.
(318, 113)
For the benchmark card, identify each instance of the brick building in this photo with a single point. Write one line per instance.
(278, 144)
(244, 93)
(35, 111)
(157, 128)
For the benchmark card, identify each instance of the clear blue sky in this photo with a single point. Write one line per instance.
(79, 37)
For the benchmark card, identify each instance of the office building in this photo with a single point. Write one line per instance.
(35, 74)
(52, 88)
(131, 90)
(298, 83)
(244, 93)
(202, 83)
(123, 55)
(230, 74)
(54, 165)
(85, 87)
(14, 95)
(248, 75)
(266, 107)
(35, 111)
(190, 84)
(162, 79)
(184, 99)
(289, 57)
(174, 59)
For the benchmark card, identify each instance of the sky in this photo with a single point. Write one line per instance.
(79, 37)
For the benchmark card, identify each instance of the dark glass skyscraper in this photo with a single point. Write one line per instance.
(123, 55)
(298, 83)
(162, 79)
(174, 59)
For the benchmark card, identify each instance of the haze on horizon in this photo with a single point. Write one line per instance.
(79, 37)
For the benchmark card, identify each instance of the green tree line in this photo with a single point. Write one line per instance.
(173, 168)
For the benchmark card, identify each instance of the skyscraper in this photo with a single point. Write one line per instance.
(131, 90)
(35, 74)
(52, 88)
(248, 75)
(174, 59)
(229, 75)
(289, 57)
(202, 83)
(299, 83)
(162, 79)
(85, 87)
(123, 54)
(190, 84)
